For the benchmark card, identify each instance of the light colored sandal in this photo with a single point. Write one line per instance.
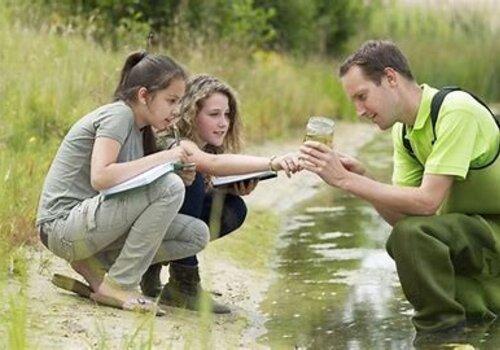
(136, 304)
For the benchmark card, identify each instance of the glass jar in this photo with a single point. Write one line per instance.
(320, 129)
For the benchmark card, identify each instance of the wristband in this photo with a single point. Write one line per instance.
(271, 163)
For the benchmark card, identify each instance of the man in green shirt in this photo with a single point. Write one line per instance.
(444, 204)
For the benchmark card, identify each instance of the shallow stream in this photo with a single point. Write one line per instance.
(336, 287)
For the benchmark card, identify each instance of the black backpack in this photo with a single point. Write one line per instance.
(436, 103)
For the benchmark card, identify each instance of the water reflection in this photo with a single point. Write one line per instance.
(337, 287)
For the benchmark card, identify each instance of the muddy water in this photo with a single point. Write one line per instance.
(336, 286)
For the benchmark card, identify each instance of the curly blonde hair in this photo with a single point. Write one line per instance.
(198, 89)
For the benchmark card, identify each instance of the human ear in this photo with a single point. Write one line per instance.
(391, 76)
(142, 95)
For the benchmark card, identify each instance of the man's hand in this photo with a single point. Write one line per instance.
(322, 160)
(351, 163)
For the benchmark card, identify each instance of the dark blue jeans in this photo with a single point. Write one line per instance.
(198, 203)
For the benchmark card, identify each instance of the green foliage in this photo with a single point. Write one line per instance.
(446, 44)
(294, 24)
(338, 21)
(300, 26)
(319, 26)
(237, 21)
(13, 312)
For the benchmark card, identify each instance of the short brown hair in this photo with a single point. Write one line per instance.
(373, 57)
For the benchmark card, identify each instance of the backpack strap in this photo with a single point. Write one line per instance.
(407, 144)
(437, 101)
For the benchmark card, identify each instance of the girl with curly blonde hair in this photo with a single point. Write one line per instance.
(201, 88)
(210, 120)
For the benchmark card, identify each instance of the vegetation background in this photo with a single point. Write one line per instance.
(59, 59)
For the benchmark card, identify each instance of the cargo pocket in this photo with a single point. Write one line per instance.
(59, 245)
(89, 210)
(109, 214)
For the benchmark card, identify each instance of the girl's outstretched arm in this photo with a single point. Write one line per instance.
(235, 164)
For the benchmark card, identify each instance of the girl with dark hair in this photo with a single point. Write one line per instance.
(111, 242)
(210, 120)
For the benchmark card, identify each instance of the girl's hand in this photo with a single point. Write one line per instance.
(322, 160)
(243, 188)
(187, 174)
(289, 163)
(178, 154)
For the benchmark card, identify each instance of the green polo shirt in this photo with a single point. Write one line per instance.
(466, 136)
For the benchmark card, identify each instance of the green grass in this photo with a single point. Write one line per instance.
(17, 323)
(48, 81)
(14, 305)
(251, 246)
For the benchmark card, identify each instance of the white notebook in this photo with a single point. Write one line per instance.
(140, 180)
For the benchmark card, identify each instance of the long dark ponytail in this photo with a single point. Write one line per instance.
(154, 72)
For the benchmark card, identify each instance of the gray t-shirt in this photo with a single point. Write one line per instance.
(68, 180)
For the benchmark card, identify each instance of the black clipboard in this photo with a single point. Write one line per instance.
(222, 181)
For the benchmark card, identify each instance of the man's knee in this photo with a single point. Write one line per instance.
(402, 232)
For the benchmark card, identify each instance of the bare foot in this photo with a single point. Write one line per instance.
(91, 270)
(112, 289)
(110, 293)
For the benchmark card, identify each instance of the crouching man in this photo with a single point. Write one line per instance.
(444, 204)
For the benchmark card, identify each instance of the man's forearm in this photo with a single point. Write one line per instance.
(390, 216)
(391, 201)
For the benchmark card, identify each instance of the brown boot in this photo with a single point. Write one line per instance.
(184, 290)
(151, 282)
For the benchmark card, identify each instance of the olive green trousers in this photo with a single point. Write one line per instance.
(449, 267)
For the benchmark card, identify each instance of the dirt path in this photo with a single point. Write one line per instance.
(59, 320)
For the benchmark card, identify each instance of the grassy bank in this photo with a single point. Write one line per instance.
(51, 77)
(48, 81)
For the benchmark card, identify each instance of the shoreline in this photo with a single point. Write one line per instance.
(349, 137)
(237, 267)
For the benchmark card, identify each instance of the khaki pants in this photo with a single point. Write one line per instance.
(134, 228)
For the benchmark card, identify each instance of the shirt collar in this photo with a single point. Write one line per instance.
(425, 106)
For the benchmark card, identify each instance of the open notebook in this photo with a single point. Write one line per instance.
(140, 180)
